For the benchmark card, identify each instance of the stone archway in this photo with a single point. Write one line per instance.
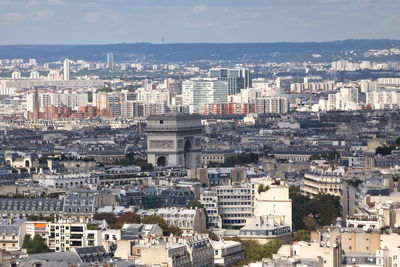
(187, 155)
(161, 161)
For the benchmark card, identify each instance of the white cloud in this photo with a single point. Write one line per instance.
(91, 17)
(43, 15)
(31, 3)
(199, 9)
(12, 18)
(122, 31)
(114, 17)
(191, 25)
(55, 2)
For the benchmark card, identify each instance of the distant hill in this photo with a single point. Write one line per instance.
(196, 51)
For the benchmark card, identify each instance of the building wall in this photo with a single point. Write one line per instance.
(235, 204)
(330, 255)
(12, 240)
(274, 201)
(387, 241)
(315, 184)
(358, 242)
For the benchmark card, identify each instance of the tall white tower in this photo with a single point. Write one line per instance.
(66, 69)
(110, 61)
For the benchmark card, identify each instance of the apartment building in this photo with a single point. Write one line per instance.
(174, 251)
(359, 247)
(80, 208)
(209, 199)
(271, 197)
(216, 155)
(191, 221)
(74, 180)
(227, 252)
(12, 234)
(327, 256)
(323, 180)
(266, 228)
(235, 203)
(64, 235)
(201, 252)
(18, 208)
(239, 203)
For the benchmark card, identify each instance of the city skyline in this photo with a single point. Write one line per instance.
(103, 22)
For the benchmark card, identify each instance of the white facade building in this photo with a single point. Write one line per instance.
(383, 98)
(66, 69)
(209, 199)
(345, 99)
(197, 93)
(34, 75)
(241, 203)
(72, 100)
(63, 236)
(16, 75)
(68, 180)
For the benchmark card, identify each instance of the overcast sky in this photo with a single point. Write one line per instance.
(130, 21)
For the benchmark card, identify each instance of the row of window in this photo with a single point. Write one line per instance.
(233, 221)
(238, 203)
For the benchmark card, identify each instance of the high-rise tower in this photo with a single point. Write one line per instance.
(110, 61)
(66, 69)
(237, 79)
(36, 104)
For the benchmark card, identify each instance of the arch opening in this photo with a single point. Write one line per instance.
(161, 161)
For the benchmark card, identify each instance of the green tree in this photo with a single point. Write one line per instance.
(27, 243)
(194, 204)
(35, 245)
(131, 160)
(314, 157)
(105, 89)
(109, 217)
(255, 252)
(175, 230)
(384, 150)
(213, 236)
(333, 155)
(325, 207)
(310, 223)
(240, 159)
(154, 219)
(302, 235)
(127, 217)
(262, 188)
